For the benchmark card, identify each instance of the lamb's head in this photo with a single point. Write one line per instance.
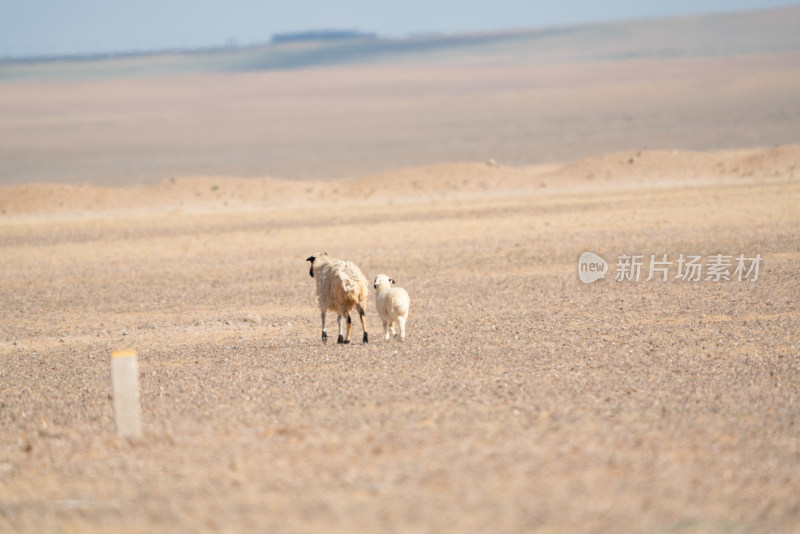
(382, 282)
(312, 258)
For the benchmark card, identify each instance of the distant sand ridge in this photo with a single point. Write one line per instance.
(454, 180)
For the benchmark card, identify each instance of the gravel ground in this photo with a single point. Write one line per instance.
(523, 400)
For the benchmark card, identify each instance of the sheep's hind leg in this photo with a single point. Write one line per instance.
(349, 328)
(363, 318)
(324, 332)
(341, 337)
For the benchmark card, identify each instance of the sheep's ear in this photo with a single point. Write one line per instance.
(391, 280)
(311, 258)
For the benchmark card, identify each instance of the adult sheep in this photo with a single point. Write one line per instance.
(341, 287)
(392, 304)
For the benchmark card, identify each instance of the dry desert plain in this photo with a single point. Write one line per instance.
(523, 399)
(171, 212)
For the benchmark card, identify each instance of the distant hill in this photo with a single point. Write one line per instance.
(755, 32)
(321, 35)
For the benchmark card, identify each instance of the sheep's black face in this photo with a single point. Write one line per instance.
(312, 259)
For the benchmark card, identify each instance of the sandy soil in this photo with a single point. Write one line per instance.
(523, 400)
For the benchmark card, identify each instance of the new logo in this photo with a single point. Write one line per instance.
(591, 267)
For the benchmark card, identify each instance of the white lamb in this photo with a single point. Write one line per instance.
(341, 287)
(392, 305)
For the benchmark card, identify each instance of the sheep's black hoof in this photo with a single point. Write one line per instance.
(324, 337)
(341, 339)
(366, 338)
(395, 336)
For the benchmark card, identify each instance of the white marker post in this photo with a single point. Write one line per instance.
(125, 381)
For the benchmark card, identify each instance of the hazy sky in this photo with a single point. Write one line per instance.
(52, 27)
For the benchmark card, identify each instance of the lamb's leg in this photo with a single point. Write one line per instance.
(341, 337)
(386, 331)
(402, 322)
(324, 332)
(363, 317)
